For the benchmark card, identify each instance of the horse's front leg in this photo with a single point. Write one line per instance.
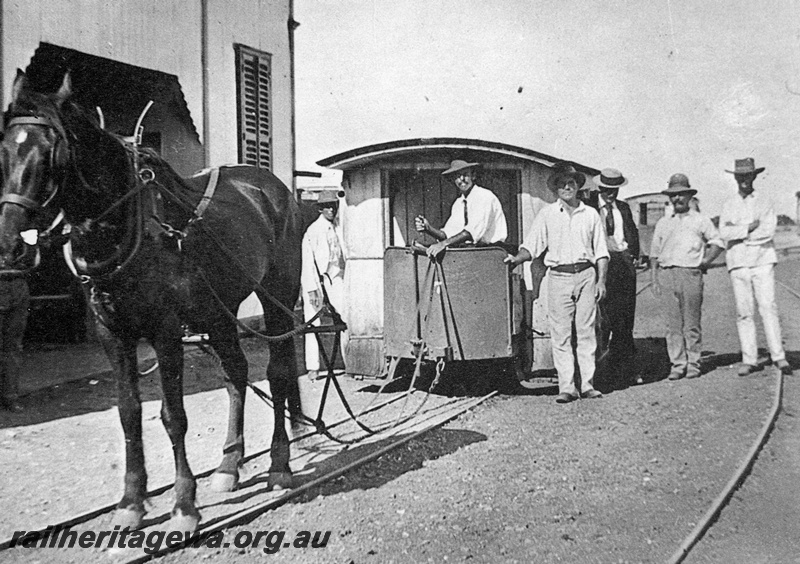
(225, 341)
(122, 354)
(169, 350)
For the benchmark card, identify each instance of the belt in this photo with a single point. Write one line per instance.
(571, 268)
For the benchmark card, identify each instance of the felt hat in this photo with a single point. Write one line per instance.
(679, 184)
(565, 169)
(610, 179)
(328, 196)
(746, 166)
(458, 165)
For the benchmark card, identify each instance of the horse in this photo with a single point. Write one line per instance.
(157, 253)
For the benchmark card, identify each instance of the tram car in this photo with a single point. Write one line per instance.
(470, 307)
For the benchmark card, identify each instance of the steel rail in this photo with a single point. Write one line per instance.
(97, 512)
(741, 473)
(247, 515)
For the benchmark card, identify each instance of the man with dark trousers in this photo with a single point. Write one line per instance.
(618, 310)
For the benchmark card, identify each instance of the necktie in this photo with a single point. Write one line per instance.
(609, 220)
(466, 216)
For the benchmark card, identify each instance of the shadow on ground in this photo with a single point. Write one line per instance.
(386, 468)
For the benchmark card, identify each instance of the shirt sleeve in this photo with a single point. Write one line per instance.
(710, 233)
(658, 240)
(455, 223)
(536, 241)
(730, 232)
(309, 278)
(599, 244)
(767, 223)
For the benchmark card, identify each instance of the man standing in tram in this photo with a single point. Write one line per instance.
(571, 235)
(475, 218)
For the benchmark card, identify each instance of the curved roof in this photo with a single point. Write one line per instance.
(398, 150)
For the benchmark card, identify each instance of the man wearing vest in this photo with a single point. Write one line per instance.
(618, 310)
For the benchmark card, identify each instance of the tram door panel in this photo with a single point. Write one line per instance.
(428, 193)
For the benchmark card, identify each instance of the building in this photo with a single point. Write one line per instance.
(388, 184)
(221, 78)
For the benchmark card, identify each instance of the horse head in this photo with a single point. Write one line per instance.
(33, 160)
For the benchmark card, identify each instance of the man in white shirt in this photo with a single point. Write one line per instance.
(679, 260)
(571, 235)
(476, 216)
(323, 266)
(747, 224)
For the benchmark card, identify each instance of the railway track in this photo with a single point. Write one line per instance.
(313, 459)
(737, 480)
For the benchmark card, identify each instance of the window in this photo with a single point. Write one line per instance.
(254, 93)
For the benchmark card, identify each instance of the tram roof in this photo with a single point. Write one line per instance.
(405, 149)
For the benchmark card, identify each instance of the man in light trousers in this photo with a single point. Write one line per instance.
(747, 224)
(569, 235)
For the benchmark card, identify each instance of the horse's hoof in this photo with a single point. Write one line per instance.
(186, 524)
(280, 480)
(224, 482)
(128, 518)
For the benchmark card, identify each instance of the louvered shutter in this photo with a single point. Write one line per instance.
(254, 88)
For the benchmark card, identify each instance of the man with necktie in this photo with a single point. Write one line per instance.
(618, 310)
(476, 217)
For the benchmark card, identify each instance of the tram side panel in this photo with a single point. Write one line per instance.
(465, 312)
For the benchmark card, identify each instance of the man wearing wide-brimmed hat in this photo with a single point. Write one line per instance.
(747, 223)
(323, 268)
(570, 237)
(678, 261)
(476, 217)
(619, 307)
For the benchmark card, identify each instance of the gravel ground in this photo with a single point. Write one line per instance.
(520, 478)
(622, 479)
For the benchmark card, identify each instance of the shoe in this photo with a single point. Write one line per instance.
(565, 398)
(692, 373)
(638, 381)
(313, 375)
(592, 394)
(676, 375)
(784, 367)
(746, 369)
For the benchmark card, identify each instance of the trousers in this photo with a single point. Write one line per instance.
(335, 289)
(619, 312)
(683, 304)
(14, 301)
(758, 281)
(570, 298)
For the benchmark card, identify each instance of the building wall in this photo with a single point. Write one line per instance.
(166, 35)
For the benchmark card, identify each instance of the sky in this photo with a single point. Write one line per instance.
(650, 87)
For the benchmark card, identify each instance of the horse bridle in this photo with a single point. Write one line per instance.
(57, 159)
